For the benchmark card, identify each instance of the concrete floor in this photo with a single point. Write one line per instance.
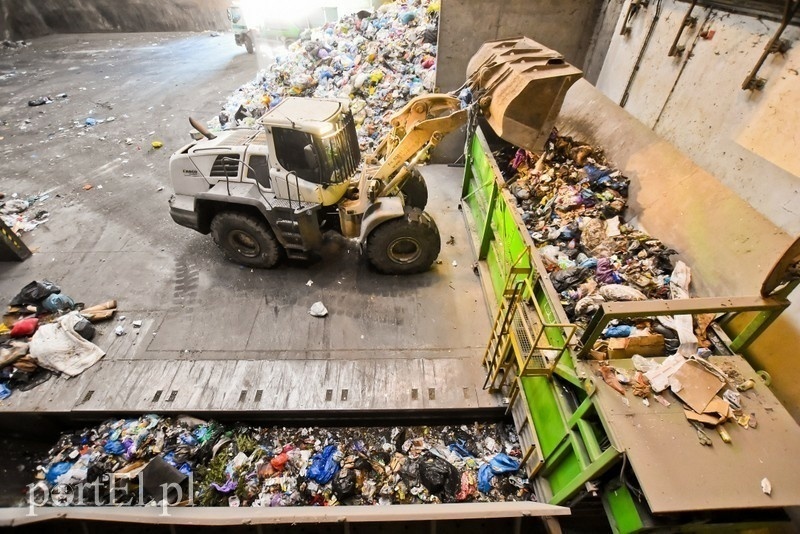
(216, 336)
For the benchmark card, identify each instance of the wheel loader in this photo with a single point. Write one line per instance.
(270, 192)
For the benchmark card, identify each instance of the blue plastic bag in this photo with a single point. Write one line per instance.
(459, 447)
(622, 330)
(114, 447)
(58, 302)
(485, 477)
(4, 392)
(501, 463)
(56, 470)
(323, 466)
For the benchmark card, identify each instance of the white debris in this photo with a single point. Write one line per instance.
(318, 309)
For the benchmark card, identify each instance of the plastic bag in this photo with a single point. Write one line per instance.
(58, 302)
(563, 280)
(614, 292)
(439, 476)
(24, 327)
(622, 330)
(501, 463)
(344, 483)
(485, 477)
(56, 470)
(323, 465)
(35, 293)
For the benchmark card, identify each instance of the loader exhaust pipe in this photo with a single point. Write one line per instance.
(202, 129)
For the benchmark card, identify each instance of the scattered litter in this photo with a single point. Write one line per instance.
(119, 330)
(318, 309)
(310, 283)
(137, 323)
(87, 187)
(50, 335)
(90, 122)
(455, 263)
(157, 144)
(24, 215)
(766, 487)
(15, 44)
(41, 101)
(160, 188)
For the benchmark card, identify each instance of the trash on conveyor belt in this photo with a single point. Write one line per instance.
(239, 465)
(573, 203)
(378, 62)
(43, 332)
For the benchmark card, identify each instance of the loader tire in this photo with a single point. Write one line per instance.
(405, 245)
(246, 240)
(415, 191)
(248, 45)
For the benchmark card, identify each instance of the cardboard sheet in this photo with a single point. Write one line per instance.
(695, 386)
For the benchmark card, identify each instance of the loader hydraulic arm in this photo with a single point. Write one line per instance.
(416, 129)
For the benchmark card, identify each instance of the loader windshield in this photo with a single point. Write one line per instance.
(339, 152)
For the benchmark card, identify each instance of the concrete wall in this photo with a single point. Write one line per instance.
(25, 19)
(746, 139)
(564, 25)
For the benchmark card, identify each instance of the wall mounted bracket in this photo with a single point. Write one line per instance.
(776, 45)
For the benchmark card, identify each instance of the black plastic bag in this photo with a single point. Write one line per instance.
(85, 329)
(439, 476)
(563, 280)
(34, 293)
(344, 483)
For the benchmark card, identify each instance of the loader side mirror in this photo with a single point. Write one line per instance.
(311, 157)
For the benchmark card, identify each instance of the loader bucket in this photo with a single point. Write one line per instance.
(526, 83)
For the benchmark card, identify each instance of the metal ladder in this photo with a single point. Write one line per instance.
(523, 341)
(496, 357)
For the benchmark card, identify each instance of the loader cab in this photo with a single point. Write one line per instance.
(315, 147)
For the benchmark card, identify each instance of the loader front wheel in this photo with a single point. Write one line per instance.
(248, 44)
(406, 245)
(246, 240)
(415, 190)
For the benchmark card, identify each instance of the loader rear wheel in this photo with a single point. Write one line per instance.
(246, 240)
(248, 44)
(406, 245)
(415, 190)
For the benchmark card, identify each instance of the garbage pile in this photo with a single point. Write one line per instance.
(23, 214)
(238, 465)
(573, 203)
(379, 61)
(44, 332)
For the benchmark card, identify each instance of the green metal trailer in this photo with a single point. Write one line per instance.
(580, 440)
